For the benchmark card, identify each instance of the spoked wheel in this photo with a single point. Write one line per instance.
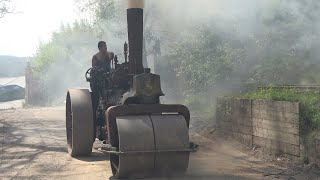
(79, 122)
(150, 144)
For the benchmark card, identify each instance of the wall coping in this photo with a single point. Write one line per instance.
(266, 100)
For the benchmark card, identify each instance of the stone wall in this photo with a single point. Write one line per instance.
(34, 93)
(272, 125)
(276, 126)
(234, 117)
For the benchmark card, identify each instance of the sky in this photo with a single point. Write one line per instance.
(21, 33)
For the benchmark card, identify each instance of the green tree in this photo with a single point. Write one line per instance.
(61, 63)
(204, 58)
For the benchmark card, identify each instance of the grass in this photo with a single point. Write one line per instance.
(310, 105)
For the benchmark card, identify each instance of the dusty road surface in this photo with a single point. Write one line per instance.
(33, 146)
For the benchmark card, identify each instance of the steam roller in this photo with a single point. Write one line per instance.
(123, 110)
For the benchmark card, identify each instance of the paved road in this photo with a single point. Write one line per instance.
(33, 146)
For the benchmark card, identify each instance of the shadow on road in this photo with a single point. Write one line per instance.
(26, 140)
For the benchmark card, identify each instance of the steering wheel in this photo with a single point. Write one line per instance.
(88, 74)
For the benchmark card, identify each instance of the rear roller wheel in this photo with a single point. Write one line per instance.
(79, 122)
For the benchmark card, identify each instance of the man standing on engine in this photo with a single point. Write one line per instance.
(101, 63)
(103, 58)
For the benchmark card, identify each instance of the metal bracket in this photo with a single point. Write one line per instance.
(113, 150)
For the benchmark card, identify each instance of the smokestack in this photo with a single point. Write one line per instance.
(135, 36)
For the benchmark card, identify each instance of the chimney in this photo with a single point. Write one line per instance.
(135, 37)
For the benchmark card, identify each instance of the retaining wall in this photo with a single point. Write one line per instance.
(272, 125)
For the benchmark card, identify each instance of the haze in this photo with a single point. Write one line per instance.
(20, 33)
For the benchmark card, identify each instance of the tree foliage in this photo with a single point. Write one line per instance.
(61, 63)
(280, 46)
(67, 44)
(204, 58)
(105, 16)
(5, 7)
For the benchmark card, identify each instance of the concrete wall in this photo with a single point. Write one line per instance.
(272, 125)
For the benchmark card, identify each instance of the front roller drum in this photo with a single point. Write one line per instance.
(151, 144)
(79, 122)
